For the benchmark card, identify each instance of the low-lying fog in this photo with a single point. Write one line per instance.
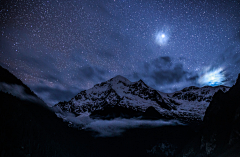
(114, 127)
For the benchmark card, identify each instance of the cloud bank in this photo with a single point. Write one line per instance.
(114, 127)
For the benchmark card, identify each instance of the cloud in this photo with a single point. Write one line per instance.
(212, 77)
(163, 70)
(114, 127)
(52, 95)
(165, 74)
(18, 91)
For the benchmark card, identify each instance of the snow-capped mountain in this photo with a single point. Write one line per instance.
(119, 92)
(192, 101)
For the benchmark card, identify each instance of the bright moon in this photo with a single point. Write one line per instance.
(161, 38)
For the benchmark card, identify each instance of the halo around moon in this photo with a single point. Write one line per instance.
(161, 38)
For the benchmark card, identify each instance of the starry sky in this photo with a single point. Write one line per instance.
(60, 47)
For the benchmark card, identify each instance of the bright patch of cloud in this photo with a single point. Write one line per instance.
(213, 77)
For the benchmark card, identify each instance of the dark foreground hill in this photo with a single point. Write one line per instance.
(220, 133)
(28, 129)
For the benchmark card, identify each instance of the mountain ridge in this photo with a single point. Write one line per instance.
(119, 91)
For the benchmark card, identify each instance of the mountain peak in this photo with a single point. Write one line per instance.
(119, 78)
(141, 82)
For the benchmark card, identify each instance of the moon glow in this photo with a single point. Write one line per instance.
(161, 38)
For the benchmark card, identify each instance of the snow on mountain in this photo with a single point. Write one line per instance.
(191, 102)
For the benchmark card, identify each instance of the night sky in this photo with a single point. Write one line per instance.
(60, 47)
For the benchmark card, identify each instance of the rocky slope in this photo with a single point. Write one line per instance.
(192, 102)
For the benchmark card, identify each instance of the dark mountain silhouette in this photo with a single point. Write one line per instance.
(220, 133)
(152, 113)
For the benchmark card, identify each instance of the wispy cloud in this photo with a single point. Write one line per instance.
(18, 91)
